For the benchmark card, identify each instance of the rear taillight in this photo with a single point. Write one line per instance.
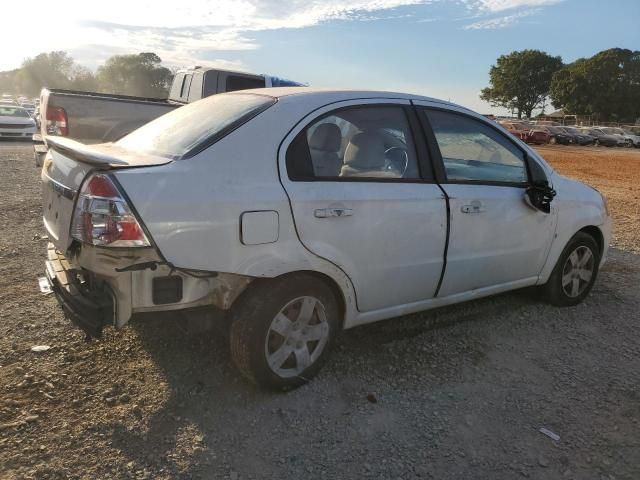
(57, 121)
(103, 217)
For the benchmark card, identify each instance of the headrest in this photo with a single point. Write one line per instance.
(365, 151)
(326, 137)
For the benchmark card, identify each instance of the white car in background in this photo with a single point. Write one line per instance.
(15, 122)
(303, 212)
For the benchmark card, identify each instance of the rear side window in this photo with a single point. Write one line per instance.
(176, 86)
(475, 152)
(184, 91)
(359, 143)
(187, 130)
(195, 91)
(240, 82)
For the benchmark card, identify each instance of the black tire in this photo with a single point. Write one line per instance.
(596, 142)
(251, 320)
(553, 290)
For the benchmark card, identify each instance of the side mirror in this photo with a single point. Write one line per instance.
(539, 194)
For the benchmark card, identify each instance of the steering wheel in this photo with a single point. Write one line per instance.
(397, 159)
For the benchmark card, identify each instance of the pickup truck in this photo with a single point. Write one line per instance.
(91, 117)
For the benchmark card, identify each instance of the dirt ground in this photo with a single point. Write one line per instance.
(615, 172)
(460, 392)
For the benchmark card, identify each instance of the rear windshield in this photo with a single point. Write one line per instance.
(13, 112)
(188, 130)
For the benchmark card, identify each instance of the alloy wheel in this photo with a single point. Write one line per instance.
(297, 336)
(577, 271)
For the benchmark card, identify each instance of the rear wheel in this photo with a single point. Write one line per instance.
(575, 273)
(282, 330)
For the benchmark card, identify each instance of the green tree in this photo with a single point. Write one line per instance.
(138, 74)
(8, 81)
(53, 69)
(83, 80)
(606, 85)
(521, 80)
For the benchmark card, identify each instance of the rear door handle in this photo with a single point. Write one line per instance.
(332, 212)
(474, 207)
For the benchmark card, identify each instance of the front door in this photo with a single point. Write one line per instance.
(362, 199)
(496, 238)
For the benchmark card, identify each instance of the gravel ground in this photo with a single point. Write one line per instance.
(460, 392)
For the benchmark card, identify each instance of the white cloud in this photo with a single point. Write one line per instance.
(494, 6)
(184, 33)
(180, 32)
(500, 22)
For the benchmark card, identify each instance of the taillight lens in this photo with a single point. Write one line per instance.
(57, 121)
(103, 217)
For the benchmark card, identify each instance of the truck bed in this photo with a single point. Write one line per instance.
(93, 117)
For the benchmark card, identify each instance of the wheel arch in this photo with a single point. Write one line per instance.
(597, 235)
(338, 292)
(556, 250)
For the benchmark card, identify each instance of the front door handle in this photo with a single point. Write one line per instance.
(474, 207)
(332, 212)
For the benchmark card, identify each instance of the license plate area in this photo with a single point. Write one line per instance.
(57, 211)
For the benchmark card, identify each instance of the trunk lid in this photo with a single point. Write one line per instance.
(66, 166)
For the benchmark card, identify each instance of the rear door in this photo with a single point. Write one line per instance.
(496, 238)
(363, 197)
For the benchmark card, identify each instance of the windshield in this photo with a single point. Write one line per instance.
(186, 130)
(13, 112)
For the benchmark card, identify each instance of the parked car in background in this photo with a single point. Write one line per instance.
(91, 117)
(578, 136)
(557, 135)
(600, 138)
(625, 139)
(527, 133)
(267, 204)
(635, 138)
(29, 107)
(15, 122)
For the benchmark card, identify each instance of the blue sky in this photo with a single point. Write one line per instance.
(441, 48)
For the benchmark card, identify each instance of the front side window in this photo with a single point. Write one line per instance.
(371, 142)
(475, 152)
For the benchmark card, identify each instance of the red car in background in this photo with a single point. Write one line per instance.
(527, 133)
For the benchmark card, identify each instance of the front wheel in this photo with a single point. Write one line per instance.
(282, 330)
(575, 273)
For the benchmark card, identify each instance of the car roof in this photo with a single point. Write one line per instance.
(341, 94)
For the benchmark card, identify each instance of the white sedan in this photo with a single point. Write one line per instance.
(15, 122)
(301, 212)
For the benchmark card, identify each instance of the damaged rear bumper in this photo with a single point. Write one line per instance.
(97, 287)
(90, 310)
